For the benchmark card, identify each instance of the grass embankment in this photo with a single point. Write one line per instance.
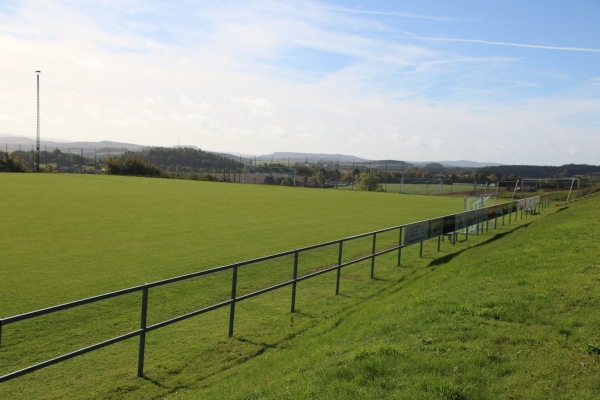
(507, 314)
(514, 317)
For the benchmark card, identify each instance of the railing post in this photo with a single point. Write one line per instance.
(421, 250)
(373, 255)
(233, 297)
(1, 321)
(439, 242)
(399, 245)
(522, 208)
(143, 319)
(339, 269)
(294, 277)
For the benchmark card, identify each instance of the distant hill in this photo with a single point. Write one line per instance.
(349, 158)
(313, 157)
(540, 172)
(459, 163)
(13, 143)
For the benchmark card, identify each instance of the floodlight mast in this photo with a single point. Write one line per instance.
(37, 142)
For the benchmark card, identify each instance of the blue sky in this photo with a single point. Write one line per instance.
(515, 82)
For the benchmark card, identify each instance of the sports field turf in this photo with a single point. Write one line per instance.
(69, 236)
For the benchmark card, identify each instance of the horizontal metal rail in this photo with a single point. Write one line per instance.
(65, 306)
(67, 356)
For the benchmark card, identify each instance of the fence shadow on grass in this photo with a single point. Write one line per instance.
(449, 257)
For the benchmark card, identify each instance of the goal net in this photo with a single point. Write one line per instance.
(559, 189)
(481, 201)
(430, 186)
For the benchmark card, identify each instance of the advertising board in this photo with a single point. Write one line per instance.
(436, 227)
(449, 224)
(460, 221)
(415, 233)
(470, 218)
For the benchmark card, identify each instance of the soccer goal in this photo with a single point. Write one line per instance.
(430, 186)
(559, 189)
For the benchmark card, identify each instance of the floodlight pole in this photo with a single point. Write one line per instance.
(37, 142)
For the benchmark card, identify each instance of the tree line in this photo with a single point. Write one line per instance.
(199, 164)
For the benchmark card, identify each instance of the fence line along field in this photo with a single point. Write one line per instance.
(67, 236)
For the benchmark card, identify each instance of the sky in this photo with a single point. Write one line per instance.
(506, 81)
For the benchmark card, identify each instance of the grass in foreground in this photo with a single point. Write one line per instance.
(515, 317)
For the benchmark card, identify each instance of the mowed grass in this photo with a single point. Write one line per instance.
(510, 313)
(68, 236)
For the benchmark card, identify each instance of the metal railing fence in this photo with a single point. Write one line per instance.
(408, 234)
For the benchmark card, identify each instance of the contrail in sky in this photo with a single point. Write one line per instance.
(479, 41)
(395, 14)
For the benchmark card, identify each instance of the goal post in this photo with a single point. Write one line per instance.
(480, 201)
(559, 189)
(429, 186)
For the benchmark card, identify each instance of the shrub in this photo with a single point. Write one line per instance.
(10, 165)
(368, 180)
(589, 190)
(131, 166)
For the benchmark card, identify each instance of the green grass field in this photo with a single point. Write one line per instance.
(510, 313)
(68, 236)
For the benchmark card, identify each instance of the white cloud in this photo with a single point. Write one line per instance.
(253, 106)
(92, 63)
